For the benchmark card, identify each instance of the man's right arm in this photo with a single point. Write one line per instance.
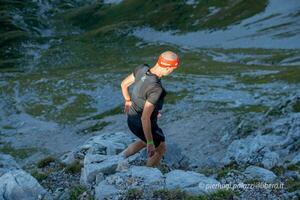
(125, 84)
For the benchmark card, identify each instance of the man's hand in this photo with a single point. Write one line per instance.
(150, 150)
(127, 106)
(158, 114)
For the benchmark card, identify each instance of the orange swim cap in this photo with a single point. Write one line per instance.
(162, 62)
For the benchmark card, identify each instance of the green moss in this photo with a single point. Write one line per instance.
(222, 172)
(296, 106)
(292, 185)
(76, 191)
(290, 75)
(115, 111)
(45, 161)
(207, 171)
(174, 97)
(8, 127)
(278, 170)
(167, 194)
(133, 194)
(294, 167)
(74, 167)
(12, 36)
(18, 152)
(252, 181)
(221, 194)
(39, 176)
(250, 108)
(165, 14)
(96, 127)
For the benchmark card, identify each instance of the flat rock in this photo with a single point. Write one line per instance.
(18, 184)
(95, 164)
(7, 163)
(254, 172)
(190, 181)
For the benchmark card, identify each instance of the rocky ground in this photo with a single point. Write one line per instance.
(96, 169)
(231, 115)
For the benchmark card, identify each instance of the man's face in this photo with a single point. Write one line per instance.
(168, 70)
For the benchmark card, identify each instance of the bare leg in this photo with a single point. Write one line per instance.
(159, 152)
(134, 148)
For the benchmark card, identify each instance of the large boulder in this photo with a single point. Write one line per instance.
(190, 181)
(7, 163)
(17, 184)
(252, 149)
(104, 144)
(95, 164)
(259, 173)
(115, 186)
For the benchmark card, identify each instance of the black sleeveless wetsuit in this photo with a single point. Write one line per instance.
(147, 86)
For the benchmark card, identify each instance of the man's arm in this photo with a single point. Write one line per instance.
(146, 121)
(125, 84)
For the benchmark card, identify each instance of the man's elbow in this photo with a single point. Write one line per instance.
(123, 84)
(145, 119)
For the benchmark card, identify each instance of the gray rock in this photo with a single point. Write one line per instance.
(104, 144)
(246, 150)
(190, 181)
(95, 164)
(149, 175)
(270, 159)
(174, 157)
(105, 191)
(7, 163)
(254, 172)
(17, 184)
(296, 160)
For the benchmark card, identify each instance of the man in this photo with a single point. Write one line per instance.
(144, 104)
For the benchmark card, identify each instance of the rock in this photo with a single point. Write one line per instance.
(95, 164)
(270, 159)
(105, 191)
(174, 157)
(254, 172)
(296, 160)
(247, 150)
(68, 158)
(7, 163)
(190, 181)
(149, 175)
(146, 178)
(17, 184)
(104, 144)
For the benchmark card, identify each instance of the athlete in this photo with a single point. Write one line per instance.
(142, 107)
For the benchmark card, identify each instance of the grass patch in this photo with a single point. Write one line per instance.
(250, 108)
(76, 191)
(278, 170)
(165, 14)
(134, 194)
(20, 153)
(292, 185)
(289, 75)
(115, 111)
(296, 106)
(226, 169)
(221, 194)
(166, 194)
(39, 176)
(174, 97)
(74, 167)
(97, 127)
(45, 161)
